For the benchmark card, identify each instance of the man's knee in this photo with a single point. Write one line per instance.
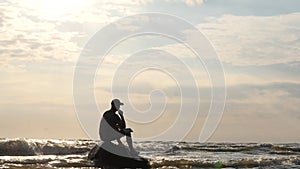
(128, 134)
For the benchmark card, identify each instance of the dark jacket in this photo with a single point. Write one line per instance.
(111, 126)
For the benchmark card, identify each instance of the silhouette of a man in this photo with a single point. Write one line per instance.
(113, 126)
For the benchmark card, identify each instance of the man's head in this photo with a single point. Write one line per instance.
(116, 103)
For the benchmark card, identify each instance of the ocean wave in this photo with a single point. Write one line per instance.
(73, 153)
(250, 148)
(241, 163)
(30, 147)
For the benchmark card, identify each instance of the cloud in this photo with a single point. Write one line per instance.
(266, 101)
(193, 2)
(27, 38)
(36, 31)
(252, 7)
(262, 74)
(187, 2)
(252, 40)
(39, 48)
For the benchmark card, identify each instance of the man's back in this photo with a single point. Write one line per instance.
(110, 125)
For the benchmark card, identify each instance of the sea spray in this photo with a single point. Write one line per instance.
(49, 153)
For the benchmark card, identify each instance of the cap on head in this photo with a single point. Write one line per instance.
(116, 102)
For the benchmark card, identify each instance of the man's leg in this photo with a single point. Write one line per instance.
(130, 144)
(119, 142)
(129, 141)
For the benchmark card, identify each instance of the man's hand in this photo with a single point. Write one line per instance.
(127, 130)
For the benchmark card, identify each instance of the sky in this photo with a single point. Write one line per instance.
(166, 87)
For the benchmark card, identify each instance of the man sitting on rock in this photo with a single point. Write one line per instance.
(113, 126)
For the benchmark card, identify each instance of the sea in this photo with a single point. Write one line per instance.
(51, 153)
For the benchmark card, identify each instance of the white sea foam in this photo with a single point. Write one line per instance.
(73, 153)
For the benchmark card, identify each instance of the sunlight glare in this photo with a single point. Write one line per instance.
(60, 4)
(55, 9)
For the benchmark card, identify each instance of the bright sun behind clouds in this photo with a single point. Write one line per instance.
(55, 9)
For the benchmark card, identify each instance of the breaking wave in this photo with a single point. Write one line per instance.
(241, 163)
(43, 153)
(30, 147)
(250, 148)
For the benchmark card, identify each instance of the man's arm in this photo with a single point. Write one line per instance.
(128, 130)
(111, 120)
